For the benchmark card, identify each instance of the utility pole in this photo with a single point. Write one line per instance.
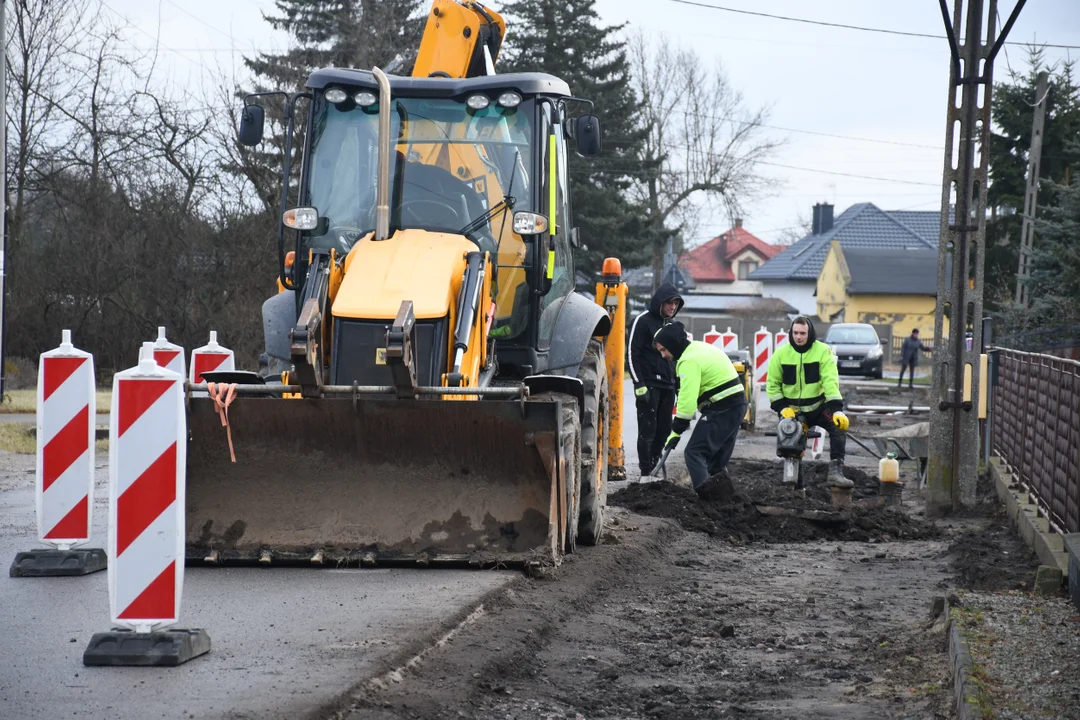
(1031, 193)
(953, 468)
(3, 199)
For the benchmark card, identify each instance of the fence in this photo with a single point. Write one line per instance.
(1061, 341)
(1035, 424)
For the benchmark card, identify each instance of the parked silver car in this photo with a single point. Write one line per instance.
(858, 349)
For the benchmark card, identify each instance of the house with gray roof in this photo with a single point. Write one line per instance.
(792, 275)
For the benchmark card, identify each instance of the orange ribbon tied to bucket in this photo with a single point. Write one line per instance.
(223, 394)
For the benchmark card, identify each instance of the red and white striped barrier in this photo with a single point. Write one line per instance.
(762, 353)
(780, 338)
(729, 341)
(66, 411)
(168, 355)
(210, 357)
(147, 459)
(712, 336)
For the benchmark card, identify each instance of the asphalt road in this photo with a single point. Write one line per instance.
(284, 641)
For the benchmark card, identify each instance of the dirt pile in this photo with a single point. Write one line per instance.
(765, 511)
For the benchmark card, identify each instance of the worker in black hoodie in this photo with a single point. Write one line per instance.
(653, 376)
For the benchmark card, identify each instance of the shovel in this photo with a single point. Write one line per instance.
(656, 471)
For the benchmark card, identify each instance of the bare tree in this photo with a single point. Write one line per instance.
(794, 233)
(41, 35)
(704, 141)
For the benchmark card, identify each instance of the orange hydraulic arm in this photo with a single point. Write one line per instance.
(461, 39)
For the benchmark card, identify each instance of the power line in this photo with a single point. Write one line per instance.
(852, 137)
(157, 41)
(850, 175)
(843, 26)
(203, 22)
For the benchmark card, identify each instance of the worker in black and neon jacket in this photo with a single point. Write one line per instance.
(708, 384)
(653, 376)
(802, 378)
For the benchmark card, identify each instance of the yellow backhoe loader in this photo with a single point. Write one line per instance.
(434, 389)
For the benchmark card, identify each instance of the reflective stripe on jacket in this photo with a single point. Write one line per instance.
(805, 380)
(705, 375)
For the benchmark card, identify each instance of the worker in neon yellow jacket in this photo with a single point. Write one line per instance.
(708, 384)
(802, 378)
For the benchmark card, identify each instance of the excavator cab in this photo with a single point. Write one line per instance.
(436, 390)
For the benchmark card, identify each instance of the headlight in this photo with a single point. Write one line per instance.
(365, 98)
(874, 353)
(478, 101)
(527, 223)
(335, 95)
(301, 218)
(509, 99)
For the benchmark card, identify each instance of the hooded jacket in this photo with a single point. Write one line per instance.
(804, 377)
(647, 366)
(909, 351)
(706, 375)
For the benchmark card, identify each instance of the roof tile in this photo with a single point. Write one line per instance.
(863, 225)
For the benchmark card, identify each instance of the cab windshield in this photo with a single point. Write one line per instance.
(453, 169)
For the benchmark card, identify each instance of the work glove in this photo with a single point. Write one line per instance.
(788, 413)
(840, 420)
(778, 405)
(642, 391)
(679, 425)
(672, 441)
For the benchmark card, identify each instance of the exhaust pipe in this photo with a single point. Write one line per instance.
(382, 181)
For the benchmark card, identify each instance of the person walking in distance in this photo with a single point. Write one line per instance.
(803, 380)
(909, 357)
(653, 376)
(709, 385)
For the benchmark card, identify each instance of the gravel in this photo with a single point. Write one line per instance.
(1026, 653)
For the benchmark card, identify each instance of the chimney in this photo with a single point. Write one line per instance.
(822, 218)
(738, 222)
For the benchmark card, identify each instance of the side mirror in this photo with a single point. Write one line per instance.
(251, 125)
(575, 237)
(587, 134)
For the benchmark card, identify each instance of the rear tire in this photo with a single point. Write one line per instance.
(570, 463)
(594, 444)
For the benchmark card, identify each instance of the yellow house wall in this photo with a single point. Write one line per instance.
(902, 312)
(832, 294)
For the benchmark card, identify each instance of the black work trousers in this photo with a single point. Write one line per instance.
(837, 437)
(654, 426)
(713, 441)
(910, 367)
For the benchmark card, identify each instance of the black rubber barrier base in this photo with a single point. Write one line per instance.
(165, 648)
(53, 563)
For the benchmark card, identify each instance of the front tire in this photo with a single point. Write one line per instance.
(594, 444)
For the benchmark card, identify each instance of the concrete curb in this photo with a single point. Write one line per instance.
(960, 661)
(1049, 546)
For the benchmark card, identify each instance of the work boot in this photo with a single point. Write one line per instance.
(718, 488)
(836, 475)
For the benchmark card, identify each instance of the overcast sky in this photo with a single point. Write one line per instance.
(885, 94)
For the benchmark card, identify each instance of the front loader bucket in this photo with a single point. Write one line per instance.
(377, 480)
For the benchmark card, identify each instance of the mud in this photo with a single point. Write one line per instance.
(744, 521)
(662, 623)
(987, 555)
(695, 610)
